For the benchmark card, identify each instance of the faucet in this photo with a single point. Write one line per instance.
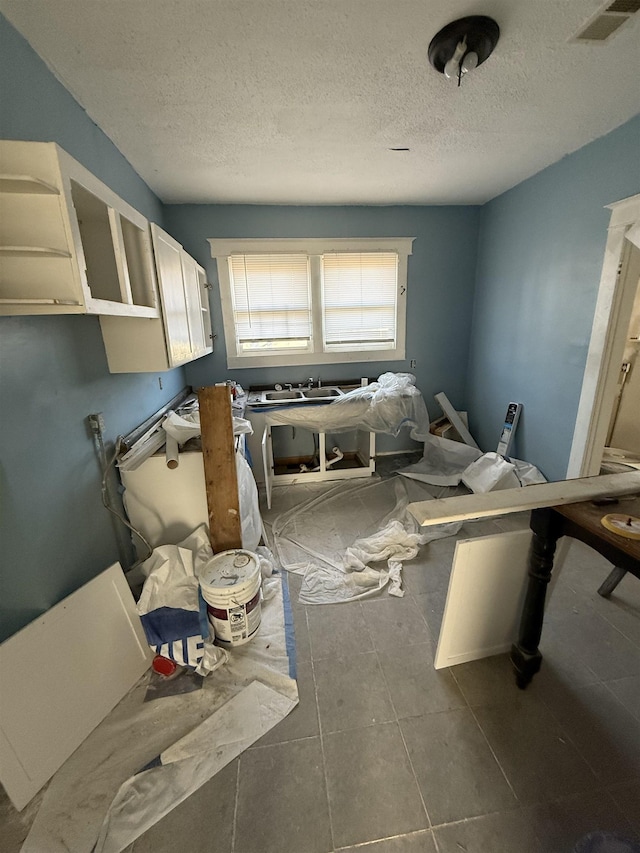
(288, 386)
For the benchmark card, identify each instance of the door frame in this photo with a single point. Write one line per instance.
(608, 334)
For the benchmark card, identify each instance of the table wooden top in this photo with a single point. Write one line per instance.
(589, 517)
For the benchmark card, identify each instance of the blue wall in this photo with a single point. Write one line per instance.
(441, 274)
(55, 533)
(540, 257)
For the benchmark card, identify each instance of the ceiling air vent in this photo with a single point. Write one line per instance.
(605, 23)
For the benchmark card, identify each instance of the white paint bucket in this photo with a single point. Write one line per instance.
(230, 584)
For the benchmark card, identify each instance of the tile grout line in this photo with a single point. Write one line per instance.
(235, 807)
(567, 733)
(320, 733)
(434, 639)
(404, 743)
(486, 739)
(606, 684)
(401, 835)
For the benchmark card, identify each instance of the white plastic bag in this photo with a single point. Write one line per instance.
(489, 473)
(171, 609)
(527, 473)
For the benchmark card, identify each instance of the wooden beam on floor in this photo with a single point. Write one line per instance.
(530, 497)
(221, 480)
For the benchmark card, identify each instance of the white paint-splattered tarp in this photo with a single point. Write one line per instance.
(147, 757)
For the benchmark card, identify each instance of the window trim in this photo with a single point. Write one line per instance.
(314, 247)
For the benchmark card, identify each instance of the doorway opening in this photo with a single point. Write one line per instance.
(600, 421)
(622, 444)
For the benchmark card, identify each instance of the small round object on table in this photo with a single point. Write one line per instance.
(624, 525)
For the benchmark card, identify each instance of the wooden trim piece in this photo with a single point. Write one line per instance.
(517, 500)
(455, 420)
(221, 479)
(222, 248)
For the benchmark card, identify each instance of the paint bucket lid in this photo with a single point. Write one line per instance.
(230, 569)
(164, 666)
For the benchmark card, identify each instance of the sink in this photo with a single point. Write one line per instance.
(283, 395)
(321, 393)
(303, 395)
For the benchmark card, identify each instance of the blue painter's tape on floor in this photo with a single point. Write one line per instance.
(289, 632)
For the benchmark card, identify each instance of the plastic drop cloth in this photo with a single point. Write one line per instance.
(184, 427)
(448, 463)
(146, 757)
(250, 518)
(386, 406)
(350, 542)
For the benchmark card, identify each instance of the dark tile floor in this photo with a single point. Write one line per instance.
(386, 755)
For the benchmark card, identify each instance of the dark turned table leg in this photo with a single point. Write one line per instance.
(525, 656)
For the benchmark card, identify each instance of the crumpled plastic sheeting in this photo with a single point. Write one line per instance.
(443, 461)
(184, 427)
(77, 800)
(385, 406)
(332, 539)
(448, 463)
(493, 472)
(392, 543)
(250, 518)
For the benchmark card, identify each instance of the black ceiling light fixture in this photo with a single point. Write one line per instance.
(463, 45)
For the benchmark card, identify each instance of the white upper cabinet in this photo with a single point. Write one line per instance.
(184, 331)
(68, 244)
(197, 295)
(174, 287)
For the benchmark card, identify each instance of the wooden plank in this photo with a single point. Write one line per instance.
(61, 675)
(456, 420)
(221, 479)
(530, 497)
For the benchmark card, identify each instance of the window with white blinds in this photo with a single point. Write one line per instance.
(312, 301)
(271, 302)
(359, 298)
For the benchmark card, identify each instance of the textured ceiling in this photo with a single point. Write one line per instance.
(299, 101)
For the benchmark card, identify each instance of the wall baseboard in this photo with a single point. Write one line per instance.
(398, 452)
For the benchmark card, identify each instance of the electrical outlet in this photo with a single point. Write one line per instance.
(413, 362)
(96, 423)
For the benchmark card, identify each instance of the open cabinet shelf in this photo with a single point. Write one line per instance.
(68, 244)
(33, 252)
(26, 184)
